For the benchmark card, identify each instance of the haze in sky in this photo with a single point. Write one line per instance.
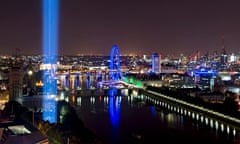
(169, 27)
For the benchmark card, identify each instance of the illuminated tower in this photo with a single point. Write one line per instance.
(156, 66)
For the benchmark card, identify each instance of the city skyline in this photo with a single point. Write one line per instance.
(93, 27)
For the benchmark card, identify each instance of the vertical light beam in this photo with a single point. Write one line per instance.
(50, 46)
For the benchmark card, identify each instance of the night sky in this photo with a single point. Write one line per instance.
(169, 27)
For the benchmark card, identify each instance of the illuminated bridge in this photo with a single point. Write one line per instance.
(74, 80)
(214, 119)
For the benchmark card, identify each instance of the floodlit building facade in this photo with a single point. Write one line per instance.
(156, 65)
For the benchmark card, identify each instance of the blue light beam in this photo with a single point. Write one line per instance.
(50, 46)
(50, 30)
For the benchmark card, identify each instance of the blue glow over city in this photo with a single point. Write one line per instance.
(50, 46)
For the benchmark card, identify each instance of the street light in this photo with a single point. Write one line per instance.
(30, 81)
(30, 72)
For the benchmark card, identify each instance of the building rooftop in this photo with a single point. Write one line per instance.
(12, 132)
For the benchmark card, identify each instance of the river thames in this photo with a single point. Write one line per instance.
(122, 117)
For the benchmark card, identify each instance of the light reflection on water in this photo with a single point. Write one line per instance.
(129, 119)
(126, 119)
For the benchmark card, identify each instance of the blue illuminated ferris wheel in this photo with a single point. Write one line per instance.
(114, 70)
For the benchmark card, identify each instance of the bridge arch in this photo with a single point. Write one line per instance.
(114, 68)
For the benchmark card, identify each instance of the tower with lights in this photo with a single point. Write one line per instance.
(156, 65)
(223, 57)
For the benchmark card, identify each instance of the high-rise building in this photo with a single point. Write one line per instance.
(224, 57)
(156, 65)
(15, 80)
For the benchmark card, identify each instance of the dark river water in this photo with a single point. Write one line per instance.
(123, 118)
